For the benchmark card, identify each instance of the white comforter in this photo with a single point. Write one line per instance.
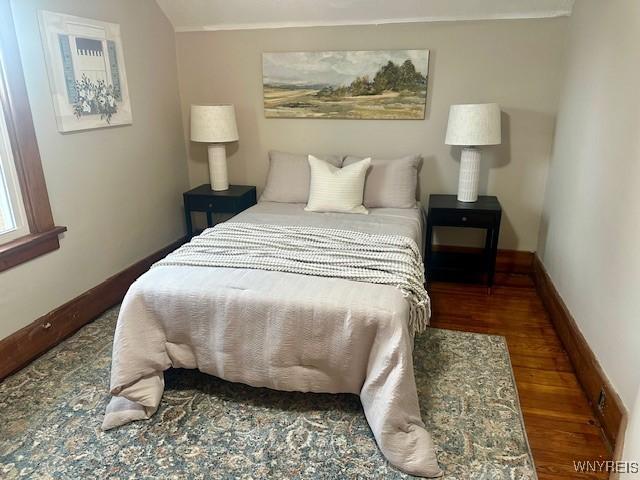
(279, 330)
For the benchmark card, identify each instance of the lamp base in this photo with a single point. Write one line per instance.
(218, 167)
(469, 175)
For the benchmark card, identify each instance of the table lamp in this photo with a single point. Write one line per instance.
(215, 125)
(471, 126)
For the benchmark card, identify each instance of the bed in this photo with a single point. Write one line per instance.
(280, 330)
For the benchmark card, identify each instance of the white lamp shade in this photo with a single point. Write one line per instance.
(474, 124)
(213, 123)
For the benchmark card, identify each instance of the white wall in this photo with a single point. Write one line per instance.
(118, 190)
(590, 233)
(517, 63)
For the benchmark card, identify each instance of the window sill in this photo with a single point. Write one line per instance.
(28, 247)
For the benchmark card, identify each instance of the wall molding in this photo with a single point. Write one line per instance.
(611, 414)
(373, 22)
(28, 343)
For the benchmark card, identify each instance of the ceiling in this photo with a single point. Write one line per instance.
(194, 15)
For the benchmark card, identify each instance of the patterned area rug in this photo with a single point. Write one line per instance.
(50, 416)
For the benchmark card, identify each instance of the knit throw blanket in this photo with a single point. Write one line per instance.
(384, 259)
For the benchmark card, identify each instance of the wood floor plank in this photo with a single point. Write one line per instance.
(550, 463)
(545, 377)
(558, 418)
(567, 442)
(541, 419)
(560, 363)
(555, 414)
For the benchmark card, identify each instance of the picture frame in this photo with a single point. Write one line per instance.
(359, 84)
(86, 70)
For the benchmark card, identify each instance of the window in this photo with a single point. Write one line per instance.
(12, 217)
(26, 223)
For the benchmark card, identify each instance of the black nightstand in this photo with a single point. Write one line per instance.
(447, 211)
(232, 201)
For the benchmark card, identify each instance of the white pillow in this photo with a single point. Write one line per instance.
(334, 189)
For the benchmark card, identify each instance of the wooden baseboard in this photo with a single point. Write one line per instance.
(28, 343)
(605, 401)
(507, 261)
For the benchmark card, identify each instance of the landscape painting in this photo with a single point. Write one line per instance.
(384, 84)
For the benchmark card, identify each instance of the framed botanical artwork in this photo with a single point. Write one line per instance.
(380, 84)
(87, 75)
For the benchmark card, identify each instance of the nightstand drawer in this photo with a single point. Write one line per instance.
(220, 205)
(217, 204)
(458, 218)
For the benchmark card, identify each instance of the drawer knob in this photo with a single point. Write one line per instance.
(464, 219)
(211, 205)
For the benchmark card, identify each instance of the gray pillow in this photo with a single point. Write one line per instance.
(289, 176)
(390, 183)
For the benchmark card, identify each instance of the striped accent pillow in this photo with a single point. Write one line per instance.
(334, 189)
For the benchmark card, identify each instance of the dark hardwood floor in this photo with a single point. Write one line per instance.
(559, 422)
